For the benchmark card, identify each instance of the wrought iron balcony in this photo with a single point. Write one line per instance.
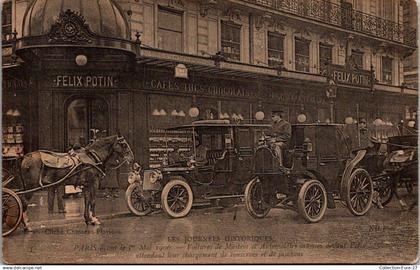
(344, 16)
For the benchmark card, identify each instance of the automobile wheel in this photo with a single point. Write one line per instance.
(358, 192)
(12, 210)
(257, 203)
(177, 198)
(312, 201)
(136, 202)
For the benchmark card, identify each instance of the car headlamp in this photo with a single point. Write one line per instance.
(131, 178)
(155, 176)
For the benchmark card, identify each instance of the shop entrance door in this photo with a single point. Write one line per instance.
(83, 116)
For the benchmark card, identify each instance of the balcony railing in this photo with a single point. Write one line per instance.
(344, 17)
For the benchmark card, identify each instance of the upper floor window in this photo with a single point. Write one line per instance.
(356, 4)
(231, 40)
(387, 7)
(169, 30)
(325, 57)
(357, 57)
(275, 49)
(387, 70)
(6, 21)
(302, 55)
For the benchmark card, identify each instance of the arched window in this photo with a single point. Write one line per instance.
(83, 115)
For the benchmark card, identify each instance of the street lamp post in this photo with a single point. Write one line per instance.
(331, 93)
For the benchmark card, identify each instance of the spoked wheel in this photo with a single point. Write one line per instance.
(257, 203)
(136, 202)
(7, 177)
(312, 201)
(12, 211)
(177, 198)
(359, 192)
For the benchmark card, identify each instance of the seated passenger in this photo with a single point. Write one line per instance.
(200, 154)
(364, 135)
(176, 156)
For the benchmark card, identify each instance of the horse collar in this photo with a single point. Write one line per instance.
(95, 156)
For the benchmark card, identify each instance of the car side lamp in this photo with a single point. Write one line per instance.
(191, 163)
(155, 175)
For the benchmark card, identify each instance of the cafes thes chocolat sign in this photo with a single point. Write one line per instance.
(196, 88)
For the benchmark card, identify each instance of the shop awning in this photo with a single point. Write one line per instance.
(205, 64)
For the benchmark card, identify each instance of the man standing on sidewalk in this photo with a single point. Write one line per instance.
(51, 194)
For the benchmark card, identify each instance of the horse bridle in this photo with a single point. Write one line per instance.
(121, 140)
(128, 151)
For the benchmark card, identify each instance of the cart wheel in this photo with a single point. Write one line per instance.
(312, 201)
(358, 192)
(135, 201)
(177, 198)
(257, 203)
(12, 211)
(7, 177)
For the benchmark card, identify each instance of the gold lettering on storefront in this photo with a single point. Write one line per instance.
(85, 81)
(196, 88)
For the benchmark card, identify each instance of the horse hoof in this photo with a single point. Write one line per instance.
(95, 221)
(403, 204)
(27, 229)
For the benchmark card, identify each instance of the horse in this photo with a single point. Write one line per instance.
(82, 167)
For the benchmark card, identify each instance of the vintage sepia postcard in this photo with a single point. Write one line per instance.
(209, 132)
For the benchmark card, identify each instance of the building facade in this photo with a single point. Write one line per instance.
(138, 66)
(410, 18)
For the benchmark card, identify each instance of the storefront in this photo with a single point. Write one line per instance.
(90, 81)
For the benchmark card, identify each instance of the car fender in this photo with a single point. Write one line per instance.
(351, 164)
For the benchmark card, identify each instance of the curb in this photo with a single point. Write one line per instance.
(37, 225)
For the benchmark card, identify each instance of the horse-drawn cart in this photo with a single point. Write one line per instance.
(11, 203)
(392, 163)
(44, 169)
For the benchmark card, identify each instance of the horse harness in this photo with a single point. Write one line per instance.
(73, 160)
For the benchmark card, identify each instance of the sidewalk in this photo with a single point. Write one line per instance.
(106, 208)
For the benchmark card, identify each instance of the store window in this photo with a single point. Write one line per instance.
(6, 23)
(275, 49)
(167, 112)
(302, 55)
(231, 40)
(84, 115)
(357, 57)
(169, 30)
(325, 57)
(387, 70)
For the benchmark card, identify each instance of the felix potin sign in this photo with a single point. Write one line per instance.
(360, 78)
(85, 81)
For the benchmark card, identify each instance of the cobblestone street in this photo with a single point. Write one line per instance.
(213, 235)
